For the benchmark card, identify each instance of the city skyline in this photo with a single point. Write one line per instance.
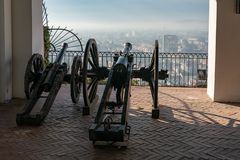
(106, 15)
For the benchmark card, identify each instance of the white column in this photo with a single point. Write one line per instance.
(224, 51)
(27, 38)
(5, 51)
(37, 27)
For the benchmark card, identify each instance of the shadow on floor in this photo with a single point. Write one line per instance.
(179, 133)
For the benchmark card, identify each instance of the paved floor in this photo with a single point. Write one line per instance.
(190, 127)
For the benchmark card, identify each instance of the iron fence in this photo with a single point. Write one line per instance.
(184, 69)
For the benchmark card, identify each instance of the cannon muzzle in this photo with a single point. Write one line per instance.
(127, 48)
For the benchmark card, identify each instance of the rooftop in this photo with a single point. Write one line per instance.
(190, 126)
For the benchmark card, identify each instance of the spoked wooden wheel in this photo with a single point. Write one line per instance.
(75, 83)
(89, 72)
(33, 73)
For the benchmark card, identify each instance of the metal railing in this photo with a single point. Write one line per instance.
(184, 69)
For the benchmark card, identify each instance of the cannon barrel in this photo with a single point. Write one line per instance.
(54, 68)
(61, 54)
(120, 72)
(120, 67)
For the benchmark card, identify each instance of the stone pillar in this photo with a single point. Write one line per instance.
(27, 36)
(224, 51)
(5, 51)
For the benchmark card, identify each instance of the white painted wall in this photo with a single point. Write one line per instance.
(27, 38)
(5, 51)
(212, 47)
(22, 42)
(224, 51)
(37, 27)
(1, 49)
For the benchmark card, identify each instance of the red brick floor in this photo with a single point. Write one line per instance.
(190, 127)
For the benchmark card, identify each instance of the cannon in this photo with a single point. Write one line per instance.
(44, 83)
(111, 121)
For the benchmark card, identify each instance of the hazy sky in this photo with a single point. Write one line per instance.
(129, 14)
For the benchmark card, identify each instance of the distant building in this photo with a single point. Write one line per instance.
(170, 43)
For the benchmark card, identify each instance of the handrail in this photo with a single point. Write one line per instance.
(183, 68)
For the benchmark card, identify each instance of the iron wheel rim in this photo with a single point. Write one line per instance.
(89, 74)
(75, 83)
(33, 73)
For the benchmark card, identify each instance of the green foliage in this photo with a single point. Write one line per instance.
(47, 43)
(103, 82)
(135, 82)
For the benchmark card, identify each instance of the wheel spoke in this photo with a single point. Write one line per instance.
(77, 78)
(94, 56)
(37, 65)
(40, 65)
(152, 62)
(77, 90)
(32, 85)
(91, 83)
(35, 69)
(31, 76)
(93, 91)
(91, 63)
